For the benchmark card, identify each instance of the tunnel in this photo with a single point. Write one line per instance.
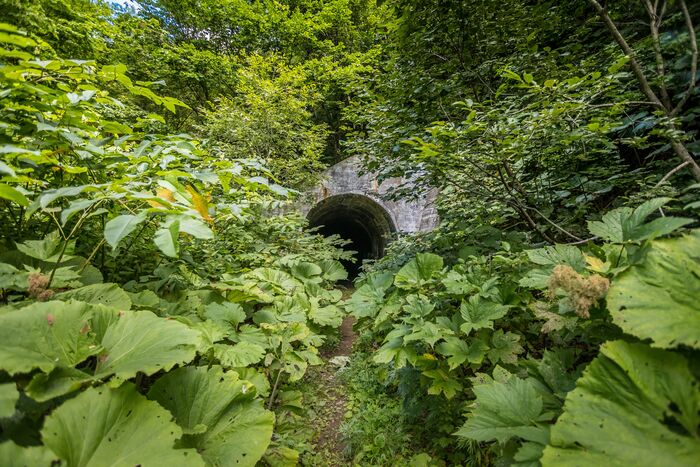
(357, 218)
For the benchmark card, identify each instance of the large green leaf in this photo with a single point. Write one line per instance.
(8, 398)
(558, 254)
(107, 294)
(307, 272)
(45, 335)
(166, 239)
(329, 315)
(658, 299)
(227, 313)
(115, 427)
(9, 193)
(634, 405)
(121, 226)
(218, 414)
(418, 271)
(239, 355)
(504, 410)
(12, 455)
(627, 224)
(333, 270)
(365, 302)
(61, 380)
(142, 342)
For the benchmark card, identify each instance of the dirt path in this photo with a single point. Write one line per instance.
(329, 440)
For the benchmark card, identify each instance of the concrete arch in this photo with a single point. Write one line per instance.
(358, 218)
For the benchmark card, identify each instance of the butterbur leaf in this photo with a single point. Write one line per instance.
(329, 315)
(333, 270)
(307, 271)
(418, 271)
(45, 335)
(142, 342)
(8, 398)
(480, 314)
(106, 294)
(12, 455)
(218, 414)
(504, 410)
(365, 302)
(239, 355)
(61, 381)
(657, 299)
(104, 426)
(231, 314)
(633, 404)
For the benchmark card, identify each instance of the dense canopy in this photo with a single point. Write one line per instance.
(163, 299)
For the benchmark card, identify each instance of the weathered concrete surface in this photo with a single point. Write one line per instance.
(344, 178)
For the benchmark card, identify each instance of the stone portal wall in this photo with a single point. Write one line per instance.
(343, 178)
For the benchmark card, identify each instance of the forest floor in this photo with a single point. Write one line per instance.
(316, 433)
(335, 397)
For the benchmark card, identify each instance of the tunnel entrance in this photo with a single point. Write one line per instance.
(357, 218)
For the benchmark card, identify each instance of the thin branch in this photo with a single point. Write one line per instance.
(555, 225)
(636, 68)
(693, 60)
(671, 173)
(585, 240)
(654, 25)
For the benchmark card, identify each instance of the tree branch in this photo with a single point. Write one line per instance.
(654, 24)
(693, 60)
(634, 64)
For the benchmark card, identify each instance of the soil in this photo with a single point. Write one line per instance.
(329, 440)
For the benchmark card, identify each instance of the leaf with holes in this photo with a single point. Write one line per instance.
(104, 426)
(140, 341)
(106, 294)
(218, 414)
(239, 355)
(632, 403)
(45, 335)
(657, 299)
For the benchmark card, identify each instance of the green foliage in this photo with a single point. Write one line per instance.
(465, 330)
(657, 298)
(269, 120)
(103, 425)
(626, 407)
(230, 413)
(78, 354)
(152, 291)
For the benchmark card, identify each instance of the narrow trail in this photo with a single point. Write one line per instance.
(335, 398)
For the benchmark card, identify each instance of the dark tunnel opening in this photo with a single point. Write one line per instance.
(356, 218)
